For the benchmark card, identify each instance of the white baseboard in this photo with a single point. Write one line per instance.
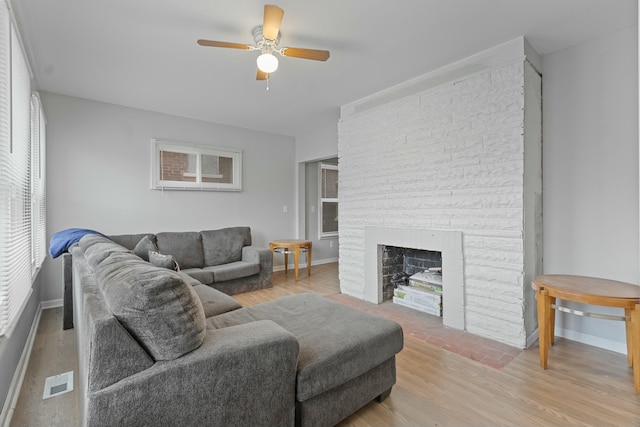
(304, 265)
(51, 304)
(531, 340)
(618, 347)
(603, 343)
(21, 370)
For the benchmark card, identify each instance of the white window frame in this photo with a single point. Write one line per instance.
(22, 184)
(158, 183)
(321, 200)
(38, 187)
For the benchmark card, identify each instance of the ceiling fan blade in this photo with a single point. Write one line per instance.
(316, 55)
(214, 43)
(261, 75)
(272, 19)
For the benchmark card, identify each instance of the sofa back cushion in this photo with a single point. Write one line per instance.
(156, 306)
(129, 241)
(186, 248)
(96, 248)
(225, 245)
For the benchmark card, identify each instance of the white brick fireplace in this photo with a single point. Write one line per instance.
(451, 162)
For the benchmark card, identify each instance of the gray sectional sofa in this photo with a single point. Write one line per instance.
(158, 348)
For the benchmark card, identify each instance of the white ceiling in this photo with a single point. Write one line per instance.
(143, 53)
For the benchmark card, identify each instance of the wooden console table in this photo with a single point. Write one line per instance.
(594, 291)
(294, 246)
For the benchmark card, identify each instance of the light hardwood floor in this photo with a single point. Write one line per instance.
(584, 385)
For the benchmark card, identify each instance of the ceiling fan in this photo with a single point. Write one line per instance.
(267, 37)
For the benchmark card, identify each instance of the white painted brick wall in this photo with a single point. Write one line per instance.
(449, 158)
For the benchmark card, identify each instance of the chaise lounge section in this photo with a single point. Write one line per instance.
(347, 357)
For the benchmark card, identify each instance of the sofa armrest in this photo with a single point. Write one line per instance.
(241, 375)
(265, 258)
(67, 281)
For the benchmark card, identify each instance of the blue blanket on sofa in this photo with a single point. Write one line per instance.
(61, 240)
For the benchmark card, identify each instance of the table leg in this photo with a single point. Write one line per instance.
(544, 307)
(296, 258)
(552, 321)
(635, 341)
(286, 262)
(309, 261)
(629, 330)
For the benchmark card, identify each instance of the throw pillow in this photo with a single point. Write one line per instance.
(146, 244)
(164, 261)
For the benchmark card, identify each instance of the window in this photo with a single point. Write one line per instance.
(182, 166)
(328, 212)
(38, 189)
(22, 178)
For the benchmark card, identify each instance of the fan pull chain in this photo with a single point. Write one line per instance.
(267, 81)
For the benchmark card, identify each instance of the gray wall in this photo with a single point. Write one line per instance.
(99, 172)
(590, 173)
(11, 347)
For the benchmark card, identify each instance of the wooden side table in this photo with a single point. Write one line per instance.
(594, 291)
(294, 246)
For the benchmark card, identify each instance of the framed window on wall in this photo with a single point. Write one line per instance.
(184, 166)
(328, 212)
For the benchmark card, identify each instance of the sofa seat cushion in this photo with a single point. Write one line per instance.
(225, 245)
(189, 279)
(233, 270)
(186, 247)
(337, 343)
(158, 308)
(215, 302)
(203, 276)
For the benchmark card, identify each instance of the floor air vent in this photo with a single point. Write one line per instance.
(58, 384)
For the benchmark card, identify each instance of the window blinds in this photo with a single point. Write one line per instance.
(21, 196)
(38, 189)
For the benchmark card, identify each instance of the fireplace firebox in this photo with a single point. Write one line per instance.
(399, 263)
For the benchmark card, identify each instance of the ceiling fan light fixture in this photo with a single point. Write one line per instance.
(267, 63)
(267, 40)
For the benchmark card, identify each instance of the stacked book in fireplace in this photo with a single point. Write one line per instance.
(422, 292)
